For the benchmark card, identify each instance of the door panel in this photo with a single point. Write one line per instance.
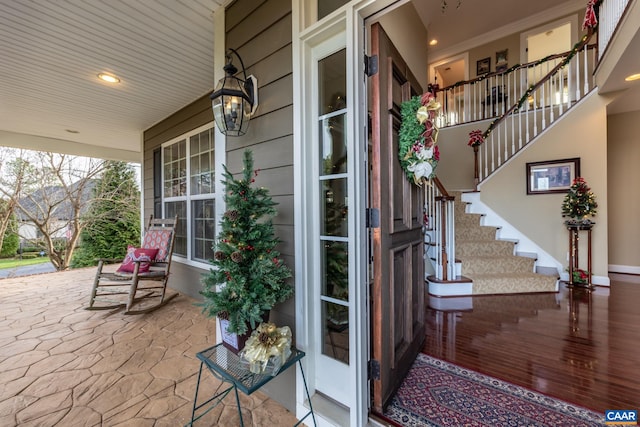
(397, 293)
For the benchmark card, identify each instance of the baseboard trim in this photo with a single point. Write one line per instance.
(626, 269)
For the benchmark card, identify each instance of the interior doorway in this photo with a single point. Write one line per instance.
(447, 72)
(547, 40)
(450, 71)
(550, 39)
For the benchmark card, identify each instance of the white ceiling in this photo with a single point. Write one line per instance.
(484, 20)
(52, 51)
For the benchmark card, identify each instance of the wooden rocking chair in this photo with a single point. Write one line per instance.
(143, 275)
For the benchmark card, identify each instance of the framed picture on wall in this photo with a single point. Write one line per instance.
(502, 60)
(552, 176)
(483, 66)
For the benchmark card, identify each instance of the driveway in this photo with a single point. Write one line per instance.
(27, 270)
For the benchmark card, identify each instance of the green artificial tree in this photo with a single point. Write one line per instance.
(248, 277)
(579, 201)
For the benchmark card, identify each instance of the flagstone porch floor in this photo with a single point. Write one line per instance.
(61, 365)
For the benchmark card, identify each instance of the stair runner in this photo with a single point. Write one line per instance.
(492, 264)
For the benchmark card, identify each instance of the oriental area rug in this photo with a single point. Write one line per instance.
(438, 393)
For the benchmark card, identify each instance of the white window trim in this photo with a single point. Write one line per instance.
(216, 196)
(348, 20)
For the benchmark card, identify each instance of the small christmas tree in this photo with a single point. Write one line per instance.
(248, 277)
(579, 201)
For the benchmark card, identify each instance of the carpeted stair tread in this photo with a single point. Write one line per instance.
(484, 248)
(482, 233)
(468, 220)
(513, 283)
(495, 265)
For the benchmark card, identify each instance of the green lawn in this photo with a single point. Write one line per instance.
(11, 262)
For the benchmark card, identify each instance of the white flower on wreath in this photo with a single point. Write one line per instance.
(425, 153)
(421, 169)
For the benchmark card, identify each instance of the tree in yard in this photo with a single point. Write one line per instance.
(7, 208)
(9, 240)
(50, 192)
(113, 220)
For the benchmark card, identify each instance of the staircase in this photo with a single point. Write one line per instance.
(493, 265)
(467, 257)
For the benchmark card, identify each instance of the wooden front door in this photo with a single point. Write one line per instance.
(397, 294)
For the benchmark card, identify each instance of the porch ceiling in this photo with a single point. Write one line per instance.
(52, 53)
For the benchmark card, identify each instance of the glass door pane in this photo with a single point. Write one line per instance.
(334, 207)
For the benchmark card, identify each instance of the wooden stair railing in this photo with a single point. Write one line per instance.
(568, 78)
(487, 96)
(522, 123)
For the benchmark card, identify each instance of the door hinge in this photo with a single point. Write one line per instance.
(374, 369)
(373, 218)
(371, 65)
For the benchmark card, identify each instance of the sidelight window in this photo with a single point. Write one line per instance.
(334, 206)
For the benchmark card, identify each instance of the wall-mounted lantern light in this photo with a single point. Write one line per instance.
(234, 100)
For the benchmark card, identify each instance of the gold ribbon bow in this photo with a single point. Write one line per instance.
(265, 342)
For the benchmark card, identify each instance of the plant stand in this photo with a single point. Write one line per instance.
(574, 228)
(228, 367)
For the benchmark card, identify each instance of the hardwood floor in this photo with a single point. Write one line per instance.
(582, 347)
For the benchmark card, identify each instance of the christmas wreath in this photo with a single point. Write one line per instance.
(418, 152)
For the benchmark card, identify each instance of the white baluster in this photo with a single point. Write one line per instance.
(493, 151)
(586, 71)
(486, 160)
(577, 62)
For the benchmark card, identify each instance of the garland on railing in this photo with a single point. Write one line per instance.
(505, 72)
(577, 47)
(590, 24)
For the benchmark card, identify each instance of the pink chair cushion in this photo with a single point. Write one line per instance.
(158, 239)
(144, 255)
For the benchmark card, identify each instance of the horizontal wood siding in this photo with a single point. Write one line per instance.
(190, 117)
(261, 33)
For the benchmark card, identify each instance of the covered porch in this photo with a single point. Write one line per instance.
(63, 365)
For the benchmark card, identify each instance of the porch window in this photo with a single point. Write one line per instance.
(334, 206)
(189, 192)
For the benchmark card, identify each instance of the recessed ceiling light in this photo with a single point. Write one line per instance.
(632, 77)
(109, 78)
(433, 42)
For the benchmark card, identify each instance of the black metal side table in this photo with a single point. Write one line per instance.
(229, 368)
